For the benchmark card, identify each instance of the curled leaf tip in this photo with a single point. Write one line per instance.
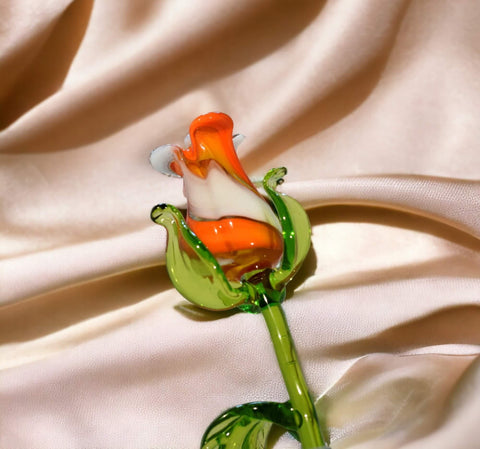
(275, 176)
(157, 211)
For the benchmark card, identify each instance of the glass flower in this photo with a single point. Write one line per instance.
(236, 248)
(231, 234)
(224, 209)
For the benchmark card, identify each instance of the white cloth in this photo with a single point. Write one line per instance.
(374, 108)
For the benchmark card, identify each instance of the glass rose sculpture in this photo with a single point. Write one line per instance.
(233, 250)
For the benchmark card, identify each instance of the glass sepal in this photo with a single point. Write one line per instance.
(295, 229)
(193, 270)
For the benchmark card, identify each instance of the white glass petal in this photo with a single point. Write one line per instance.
(187, 142)
(162, 157)
(219, 195)
(237, 140)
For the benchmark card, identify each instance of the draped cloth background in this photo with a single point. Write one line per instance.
(374, 108)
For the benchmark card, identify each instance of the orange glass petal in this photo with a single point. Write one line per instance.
(211, 136)
(240, 243)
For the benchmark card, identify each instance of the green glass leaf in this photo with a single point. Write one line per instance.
(247, 426)
(295, 227)
(193, 270)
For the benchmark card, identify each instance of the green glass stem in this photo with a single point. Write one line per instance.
(309, 431)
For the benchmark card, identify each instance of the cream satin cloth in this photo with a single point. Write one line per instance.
(374, 107)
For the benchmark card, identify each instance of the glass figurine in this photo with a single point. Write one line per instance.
(233, 250)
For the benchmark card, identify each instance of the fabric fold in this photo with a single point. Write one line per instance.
(372, 107)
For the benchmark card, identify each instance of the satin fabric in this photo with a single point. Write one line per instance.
(373, 107)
